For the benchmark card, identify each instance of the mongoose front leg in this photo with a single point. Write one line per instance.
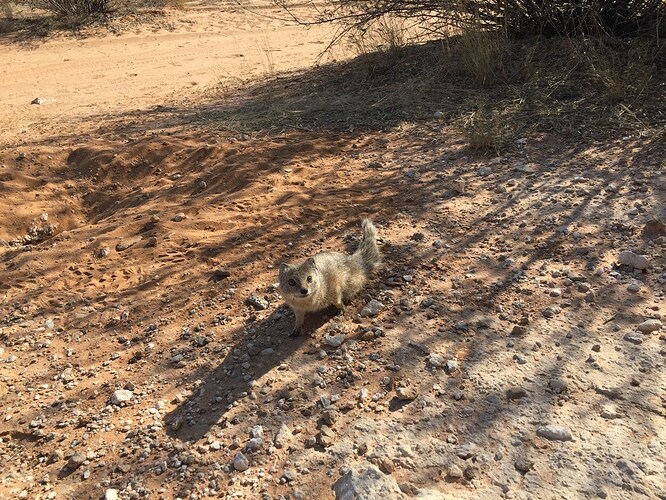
(298, 326)
(338, 302)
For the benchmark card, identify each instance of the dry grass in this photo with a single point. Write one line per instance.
(482, 53)
(536, 85)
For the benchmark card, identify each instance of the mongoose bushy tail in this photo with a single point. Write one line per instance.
(329, 278)
(367, 252)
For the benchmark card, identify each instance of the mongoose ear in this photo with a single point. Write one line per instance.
(311, 262)
(284, 268)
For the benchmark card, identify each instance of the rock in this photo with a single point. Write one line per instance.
(413, 174)
(454, 472)
(438, 115)
(330, 416)
(179, 217)
(406, 393)
(125, 244)
(554, 433)
(654, 228)
(634, 338)
(451, 366)
(37, 100)
(289, 475)
(516, 393)
(609, 392)
(427, 302)
(436, 360)
(76, 460)
(282, 436)
(111, 494)
(520, 359)
(326, 436)
(103, 252)
(551, 311)
(649, 326)
(121, 396)
(220, 274)
(372, 309)
(628, 468)
(526, 169)
(257, 302)
(610, 413)
(629, 258)
(484, 171)
(384, 463)
(241, 463)
(335, 340)
(471, 472)
(634, 287)
(519, 331)
(56, 456)
(254, 444)
(523, 465)
(466, 451)
(367, 484)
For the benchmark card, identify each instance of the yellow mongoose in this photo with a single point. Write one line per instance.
(329, 278)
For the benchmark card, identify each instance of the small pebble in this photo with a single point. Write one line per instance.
(241, 462)
(554, 433)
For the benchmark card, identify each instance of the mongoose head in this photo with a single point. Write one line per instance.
(299, 283)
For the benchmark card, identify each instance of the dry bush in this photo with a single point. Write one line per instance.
(389, 35)
(487, 129)
(516, 17)
(6, 9)
(76, 8)
(6, 15)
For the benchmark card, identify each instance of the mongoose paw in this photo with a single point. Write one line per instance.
(296, 332)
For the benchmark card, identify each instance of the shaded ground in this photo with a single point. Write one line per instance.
(473, 245)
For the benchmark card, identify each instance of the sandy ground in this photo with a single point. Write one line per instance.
(180, 57)
(144, 347)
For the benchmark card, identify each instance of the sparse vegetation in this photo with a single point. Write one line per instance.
(555, 65)
(515, 18)
(76, 8)
(32, 19)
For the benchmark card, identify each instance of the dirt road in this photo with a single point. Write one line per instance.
(184, 54)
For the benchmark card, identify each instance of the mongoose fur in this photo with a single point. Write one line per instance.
(329, 278)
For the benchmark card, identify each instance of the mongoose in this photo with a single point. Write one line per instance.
(329, 278)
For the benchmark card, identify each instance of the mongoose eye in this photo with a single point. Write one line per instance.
(309, 279)
(292, 282)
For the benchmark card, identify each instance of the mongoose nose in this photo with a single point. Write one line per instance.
(304, 291)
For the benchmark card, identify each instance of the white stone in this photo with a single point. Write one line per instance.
(121, 396)
(629, 258)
